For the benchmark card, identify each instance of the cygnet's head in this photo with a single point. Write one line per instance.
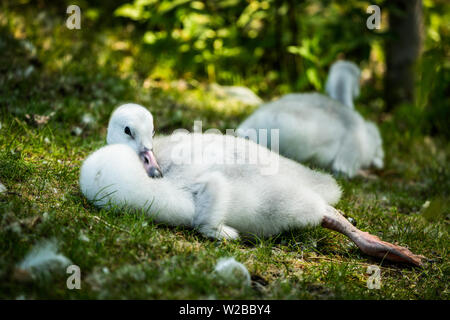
(377, 143)
(343, 82)
(132, 124)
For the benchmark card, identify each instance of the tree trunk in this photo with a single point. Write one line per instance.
(293, 60)
(278, 52)
(403, 48)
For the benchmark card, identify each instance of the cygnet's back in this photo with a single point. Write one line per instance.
(247, 166)
(311, 126)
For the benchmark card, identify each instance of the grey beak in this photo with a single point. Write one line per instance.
(150, 164)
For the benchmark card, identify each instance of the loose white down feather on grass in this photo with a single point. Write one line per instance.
(43, 259)
(232, 271)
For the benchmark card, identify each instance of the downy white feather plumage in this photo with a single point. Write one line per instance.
(209, 183)
(43, 259)
(318, 129)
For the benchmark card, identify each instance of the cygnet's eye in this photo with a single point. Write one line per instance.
(128, 131)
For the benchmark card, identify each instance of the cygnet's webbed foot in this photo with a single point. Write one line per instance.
(367, 174)
(220, 232)
(374, 246)
(368, 243)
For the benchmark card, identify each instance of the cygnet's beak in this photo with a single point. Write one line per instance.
(150, 164)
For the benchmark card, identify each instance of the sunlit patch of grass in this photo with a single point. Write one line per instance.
(13, 167)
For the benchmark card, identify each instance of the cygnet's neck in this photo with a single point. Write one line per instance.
(115, 176)
(342, 91)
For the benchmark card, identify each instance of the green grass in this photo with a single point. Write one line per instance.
(127, 256)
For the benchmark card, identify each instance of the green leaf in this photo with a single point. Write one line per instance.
(166, 6)
(314, 79)
(304, 52)
(129, 11)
